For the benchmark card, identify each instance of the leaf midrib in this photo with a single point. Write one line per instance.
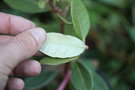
(81, 77)
(68, 45)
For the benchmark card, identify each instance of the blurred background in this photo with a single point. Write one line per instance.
(111, 39)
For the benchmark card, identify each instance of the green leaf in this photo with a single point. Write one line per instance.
(71, 87)
(62, 46)
(56, 61)
(80, 18)
(39, 81)
(132, 33)
(88, 64)
(81, 78)
(118, 3)
(49, 27)
(28, 6)
(69, 30)
(133, 14)
(42, 4)
(99, 83)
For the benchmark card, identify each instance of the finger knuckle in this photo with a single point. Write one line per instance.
(26, 43)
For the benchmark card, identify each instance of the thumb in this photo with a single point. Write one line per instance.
(22, 46)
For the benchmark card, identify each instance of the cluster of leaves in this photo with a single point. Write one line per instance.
(111, 41)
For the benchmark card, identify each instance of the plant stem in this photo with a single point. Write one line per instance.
(62, 14)
(58, 11)
(65, 81)
(66, 67)
(62, 25)
(63, 19)
(54, 8)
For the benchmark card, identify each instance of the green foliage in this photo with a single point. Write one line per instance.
(118, 3)
(34, 83)
(41, 4)
(56, 61)
(132, 33)
(28, 6)
(82, 77)
(57, 45)
(99, 83)
(111, 41)
(80, 18)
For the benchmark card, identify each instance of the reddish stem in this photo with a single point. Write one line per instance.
(66, 68)
(58, 10)
(54, 8)
(62, 27)
(65, 81)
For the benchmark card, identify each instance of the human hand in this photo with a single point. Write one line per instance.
(14, 50)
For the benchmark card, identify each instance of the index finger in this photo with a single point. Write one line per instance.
(11, 24)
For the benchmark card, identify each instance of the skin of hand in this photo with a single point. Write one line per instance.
(24, 41)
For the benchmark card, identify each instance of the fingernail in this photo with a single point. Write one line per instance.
(39, 34)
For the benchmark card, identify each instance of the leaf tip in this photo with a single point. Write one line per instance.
(86, 47)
